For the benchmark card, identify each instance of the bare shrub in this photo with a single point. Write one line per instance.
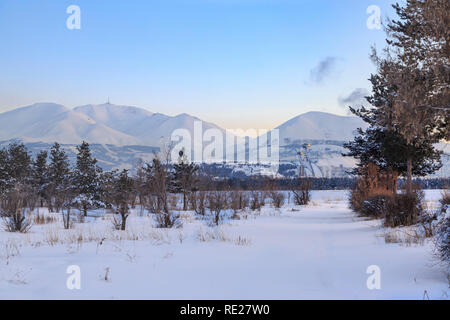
(151, 203)
(238, 201)
(403, 209)
(41, 219)
(198, 202)
(14, 212)
(374, 185)
(405, 238)
(166, 220)
(302, 192)
(173, 202)
(256, 200)
(217, 202)
(277, 198)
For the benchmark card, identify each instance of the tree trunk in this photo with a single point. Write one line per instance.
(409, 176)
(184, 201)
(124, 222)
(85, 209)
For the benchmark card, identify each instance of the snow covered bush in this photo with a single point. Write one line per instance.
(373, 207)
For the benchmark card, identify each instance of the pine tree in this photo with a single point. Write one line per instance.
(5, 178)
(19, 162)
(416, 68)
(385, 145)
(40, 176)
(86, 178)
(58, 171)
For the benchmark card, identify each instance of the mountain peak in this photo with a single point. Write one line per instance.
(317, 125)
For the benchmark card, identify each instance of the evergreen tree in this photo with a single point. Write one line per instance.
(14, 166)
(389, 151)
(86, 178)
(58, 171)
(19, 162)
(415, 68)
(40, 176)
(5, 179)
(107, 181)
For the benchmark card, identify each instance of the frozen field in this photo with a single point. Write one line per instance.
(320, 251)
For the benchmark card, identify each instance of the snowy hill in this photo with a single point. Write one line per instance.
(147, 127)
(319, 126)
(50, 122)
(102, 124)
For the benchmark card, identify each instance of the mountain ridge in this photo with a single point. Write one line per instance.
(130, 125)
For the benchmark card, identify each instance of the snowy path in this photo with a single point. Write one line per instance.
(319, 252)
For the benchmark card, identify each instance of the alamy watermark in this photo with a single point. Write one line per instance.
(374, 280)
(374, 20)
(73, 22)
(74, 280)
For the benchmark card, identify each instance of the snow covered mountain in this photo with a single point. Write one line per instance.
(101, 124)
(319, 126)
(147, 127)
(50, 122)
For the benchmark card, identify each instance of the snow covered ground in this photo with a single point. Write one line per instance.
(321, 251)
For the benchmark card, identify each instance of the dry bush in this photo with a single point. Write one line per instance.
(241, 241)
(277, 199)
(173, 202)
(238, 201)
(198, 202)
(219, 235)
(14, 211)
(217, 202)
(40, 219)
(302, 192)
(406, 238)
(372, 186)
(403, 209)
(256, 200)
(165, 220)
(151, 204)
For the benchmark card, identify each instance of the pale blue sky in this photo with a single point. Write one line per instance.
(237, 63)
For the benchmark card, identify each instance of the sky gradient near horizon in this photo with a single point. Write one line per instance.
(237, 63)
